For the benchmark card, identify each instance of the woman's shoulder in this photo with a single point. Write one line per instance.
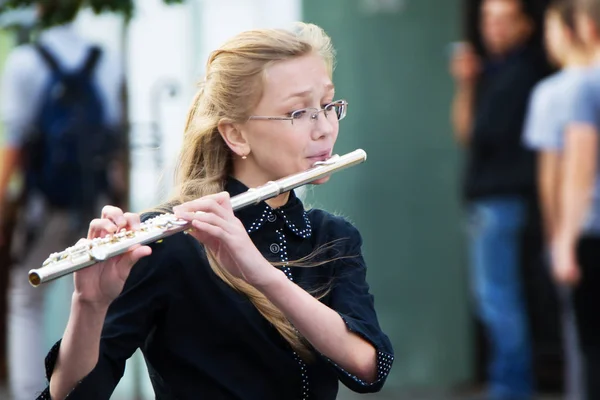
(321, 216)
(332, 226)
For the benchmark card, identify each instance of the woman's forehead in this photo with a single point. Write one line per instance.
(297, 77)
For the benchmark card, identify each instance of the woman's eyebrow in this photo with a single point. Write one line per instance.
(305, 93)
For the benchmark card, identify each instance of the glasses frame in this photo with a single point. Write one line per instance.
(312, 111)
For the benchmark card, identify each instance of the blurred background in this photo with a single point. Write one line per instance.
(393, 68)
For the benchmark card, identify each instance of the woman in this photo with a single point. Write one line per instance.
(576, 244)
(547, 118)
(213, 316)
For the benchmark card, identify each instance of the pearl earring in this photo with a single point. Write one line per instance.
(244, 157)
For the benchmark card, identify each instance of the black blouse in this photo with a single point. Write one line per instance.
(203, 340)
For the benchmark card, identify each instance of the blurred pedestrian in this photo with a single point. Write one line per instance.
(488, 111)
(60, 105)
(547, 118)
(576, 245)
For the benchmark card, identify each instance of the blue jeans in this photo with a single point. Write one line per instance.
(495, 233)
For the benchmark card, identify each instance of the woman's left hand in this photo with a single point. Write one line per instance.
(224, 235)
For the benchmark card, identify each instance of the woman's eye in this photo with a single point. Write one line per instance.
(298, 114)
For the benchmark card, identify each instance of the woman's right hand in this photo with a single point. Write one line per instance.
(101, 283)
(565, 268)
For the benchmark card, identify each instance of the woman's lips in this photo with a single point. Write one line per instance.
(321, 156)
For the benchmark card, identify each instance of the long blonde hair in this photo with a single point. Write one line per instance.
(232, 88)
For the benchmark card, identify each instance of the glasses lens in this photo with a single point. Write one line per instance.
(340, 109)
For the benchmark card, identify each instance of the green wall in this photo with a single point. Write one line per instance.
(6, 43)
(392, 68)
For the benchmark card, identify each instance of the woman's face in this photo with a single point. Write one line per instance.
(586, 29)
(555, 38)
(279, 148)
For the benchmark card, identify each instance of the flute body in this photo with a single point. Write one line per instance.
(91, 251)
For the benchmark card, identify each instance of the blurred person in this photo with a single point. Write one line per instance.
(60, 105)
(488, 113)
(576, 245)
(267, 302)
(547, 118)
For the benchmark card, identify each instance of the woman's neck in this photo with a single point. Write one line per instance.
(595, 55)
(577, 59)
(274, 202)
(278, 201)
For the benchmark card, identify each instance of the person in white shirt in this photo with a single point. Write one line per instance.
(24, 80)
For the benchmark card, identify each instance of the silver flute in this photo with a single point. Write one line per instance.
(88, 252)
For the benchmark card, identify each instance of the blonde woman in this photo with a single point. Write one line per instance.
(269, 302)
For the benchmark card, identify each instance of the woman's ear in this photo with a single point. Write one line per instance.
(234, 137)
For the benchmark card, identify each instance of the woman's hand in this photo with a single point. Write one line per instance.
(101, 283)
(564, 262)
(215, 226)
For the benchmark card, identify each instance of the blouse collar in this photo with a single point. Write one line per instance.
(254, 217)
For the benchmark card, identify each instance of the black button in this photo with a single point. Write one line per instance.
(274, 247)
(272, 217)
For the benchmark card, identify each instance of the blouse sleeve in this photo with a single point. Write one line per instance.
(585, 103)
(351, 299)
(129, 320)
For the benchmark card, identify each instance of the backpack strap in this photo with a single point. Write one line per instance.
(48, 58)
(91, 61)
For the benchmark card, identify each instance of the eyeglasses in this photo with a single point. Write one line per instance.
(336, 108)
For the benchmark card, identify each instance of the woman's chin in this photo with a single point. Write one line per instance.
(320, 181)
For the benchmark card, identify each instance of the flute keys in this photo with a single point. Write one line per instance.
(179, 222)
(80, 258)
(51, 258)
(98, 254)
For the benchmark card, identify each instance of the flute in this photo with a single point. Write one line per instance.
(88, 252)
